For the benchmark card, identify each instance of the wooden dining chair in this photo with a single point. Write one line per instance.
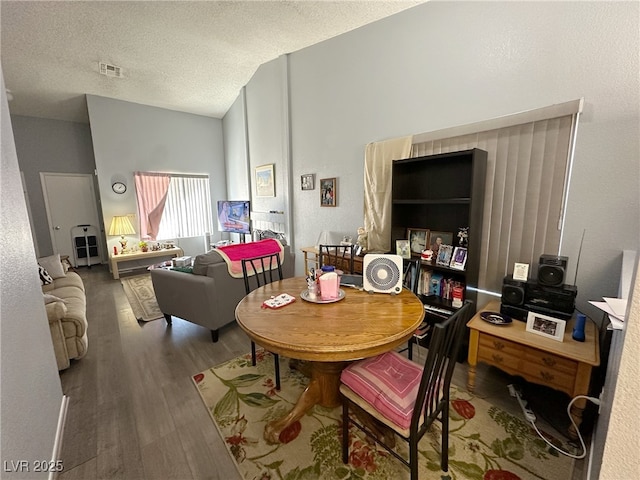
(402, 397)
(340, 256)
(263, 270)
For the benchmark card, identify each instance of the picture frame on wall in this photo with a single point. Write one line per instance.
(328, 192)
(265, 181)
(418, 239)
(402, 248)
(546, 326)
(307, 181)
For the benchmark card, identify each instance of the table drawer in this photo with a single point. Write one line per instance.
(493, 344)
(550, 362)
(548, 376)
(503, 354)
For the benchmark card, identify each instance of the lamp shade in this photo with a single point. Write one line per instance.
(121, 225)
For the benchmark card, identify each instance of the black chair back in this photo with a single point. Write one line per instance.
(340, 256)
(262, 269)
(433, 392)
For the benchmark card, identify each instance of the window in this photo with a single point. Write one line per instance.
(173, 205)
(528, 171)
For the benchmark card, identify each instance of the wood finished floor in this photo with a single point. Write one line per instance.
(133, 411)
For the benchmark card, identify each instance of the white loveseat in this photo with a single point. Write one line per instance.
(66, 306)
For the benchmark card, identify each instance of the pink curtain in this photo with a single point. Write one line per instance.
(151, 192)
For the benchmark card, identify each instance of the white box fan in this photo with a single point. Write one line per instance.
(382, 273)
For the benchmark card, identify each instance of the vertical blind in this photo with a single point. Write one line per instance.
(181, 204)
(187, 211)
(526, 184)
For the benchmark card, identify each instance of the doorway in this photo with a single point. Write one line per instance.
(70, 201)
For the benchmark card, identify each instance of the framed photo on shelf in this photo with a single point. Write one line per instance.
(546, 326)
(418, 239)
(444, 255)
(307, 181)
(265, 182)
(402, 248)
(439, 238)
(459, 258)
(328, 192)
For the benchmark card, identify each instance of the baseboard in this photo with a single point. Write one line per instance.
(57, 444)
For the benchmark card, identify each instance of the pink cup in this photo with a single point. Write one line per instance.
(329, 286)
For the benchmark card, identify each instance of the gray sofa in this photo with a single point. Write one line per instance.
(208, 296)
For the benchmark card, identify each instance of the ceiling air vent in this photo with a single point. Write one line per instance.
(110, 70)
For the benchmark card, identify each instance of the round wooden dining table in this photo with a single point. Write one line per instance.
(328, 335)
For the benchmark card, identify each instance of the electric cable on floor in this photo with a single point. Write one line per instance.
(531, 419)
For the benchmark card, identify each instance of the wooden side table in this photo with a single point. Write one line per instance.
(312, 256)
(564, 366)
(143, 256)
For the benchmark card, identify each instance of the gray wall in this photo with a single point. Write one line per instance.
(29, 381)
(444, 64)
(129, 137)
(49, 146)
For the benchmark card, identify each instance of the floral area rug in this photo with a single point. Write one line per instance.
(142, 298)
(485, 442)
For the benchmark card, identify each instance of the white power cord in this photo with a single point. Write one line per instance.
(531, 418)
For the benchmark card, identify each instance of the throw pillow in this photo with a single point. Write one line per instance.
(48, 298)
(53, 265)
(45, 278)
(202, 262)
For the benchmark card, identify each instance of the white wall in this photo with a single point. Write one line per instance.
(620, 458)
(443, 64)
(45, 145)
(129, 137)
(268, 140)
(29, 381)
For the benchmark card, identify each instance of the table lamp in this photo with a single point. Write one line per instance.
(121, 225)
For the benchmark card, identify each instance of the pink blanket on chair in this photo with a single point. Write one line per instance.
(234, 254)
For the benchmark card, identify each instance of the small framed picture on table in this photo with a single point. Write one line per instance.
(546, 326)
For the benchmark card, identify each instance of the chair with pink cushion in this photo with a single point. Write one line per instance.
(400, 396)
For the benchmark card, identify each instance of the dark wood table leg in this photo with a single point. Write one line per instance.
(323, 390)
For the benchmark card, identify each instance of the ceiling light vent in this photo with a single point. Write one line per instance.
(110, 70)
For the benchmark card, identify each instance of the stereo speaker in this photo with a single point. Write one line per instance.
(517, 313)
(551, 270)
(382, 273)
(513, 291)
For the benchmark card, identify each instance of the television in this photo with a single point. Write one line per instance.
(233, 216)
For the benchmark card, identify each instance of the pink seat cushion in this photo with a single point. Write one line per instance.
(389, 382)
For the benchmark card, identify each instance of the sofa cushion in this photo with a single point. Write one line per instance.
(53, 265)
(388, 382)
(71, 280)
(55, 311)
(48, 298)
(45, 278)
(202, 262)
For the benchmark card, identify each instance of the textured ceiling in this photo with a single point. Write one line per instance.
(187, 56)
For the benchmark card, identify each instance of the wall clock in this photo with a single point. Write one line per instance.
(119, 187)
